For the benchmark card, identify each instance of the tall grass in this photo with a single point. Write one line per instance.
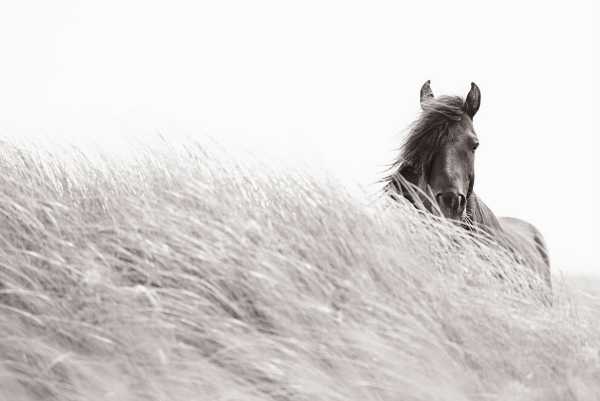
(176, 274)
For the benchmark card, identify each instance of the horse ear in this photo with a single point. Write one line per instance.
(426, 92)
(473, 100)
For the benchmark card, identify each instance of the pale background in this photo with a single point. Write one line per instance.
(326, 84)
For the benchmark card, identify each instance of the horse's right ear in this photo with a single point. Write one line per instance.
(426, 92)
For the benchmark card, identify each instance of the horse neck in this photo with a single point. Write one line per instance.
(480, 216)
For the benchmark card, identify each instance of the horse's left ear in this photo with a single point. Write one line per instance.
(426, 92)
(473, 100)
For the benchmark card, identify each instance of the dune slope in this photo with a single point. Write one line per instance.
(179, 275)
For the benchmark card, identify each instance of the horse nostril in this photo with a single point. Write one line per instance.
(446, 199)
(461, 202)
(443, 200)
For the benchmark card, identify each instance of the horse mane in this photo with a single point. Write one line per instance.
(425, 135)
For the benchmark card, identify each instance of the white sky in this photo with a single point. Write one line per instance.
(329, 83)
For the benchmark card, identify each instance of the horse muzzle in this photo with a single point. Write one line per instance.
(452, 204)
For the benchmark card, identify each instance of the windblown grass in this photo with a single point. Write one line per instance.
(177, 275)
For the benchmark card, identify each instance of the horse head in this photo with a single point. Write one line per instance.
(439, 153)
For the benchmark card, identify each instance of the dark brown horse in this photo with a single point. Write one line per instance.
(435, 172)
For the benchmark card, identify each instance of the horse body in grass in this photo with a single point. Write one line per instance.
(435, 172)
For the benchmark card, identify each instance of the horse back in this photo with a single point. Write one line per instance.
(526, 238)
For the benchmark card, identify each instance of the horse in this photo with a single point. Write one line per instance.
(435, 172)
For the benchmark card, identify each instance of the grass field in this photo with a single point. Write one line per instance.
(178, 274)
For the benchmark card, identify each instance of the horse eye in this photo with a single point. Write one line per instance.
(475, 145)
